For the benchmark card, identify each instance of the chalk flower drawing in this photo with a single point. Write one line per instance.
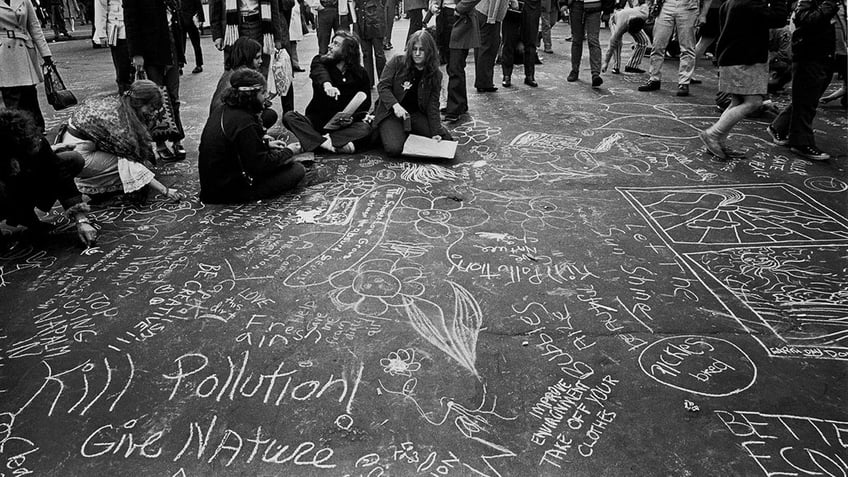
(400, 363)
(537, 215)
(475, 131)
(434, 218)
(374, 286)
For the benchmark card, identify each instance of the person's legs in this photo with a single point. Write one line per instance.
(457, 94)
(191, 29)
(302, 128)
(663, 28)
(392, 135)
(293, 55)
(390, 23)
(367, 48)
(485, 55)
(592, 31)
(416, 21)
(287, 101)
(325, 19)
(809, 81)
(124, 72)
(24, 98)
(444, 24)
(355, 134)
(379, 56)
(642, 42)
(509, 31)
(278, 182)
(686, 37)
(577, 21)
(529, 36)
(740, 107)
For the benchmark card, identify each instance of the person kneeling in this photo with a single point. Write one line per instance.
(339, 83)
(409, 95)
(236, 163)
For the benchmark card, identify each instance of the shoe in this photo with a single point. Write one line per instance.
(181, 71)
(490, 89)
(538, 60)
(68, 36)
(548, 51)
(298, 69)
(572, 77)
(597, 81)
(387, 46)
(695, 81)
(650, 85)
(633, 69)
(616, 71)
(164, 153)
(451, 118)
(810, 152)
(197, 69)
(683, 90)
(443, 110)
(713, 146)
(568, 39)
(179, 151)
(507, 81)
(776, 137)
(531, 82)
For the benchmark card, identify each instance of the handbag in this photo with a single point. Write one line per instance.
(280, 74)
(58, 95)
(165, 127)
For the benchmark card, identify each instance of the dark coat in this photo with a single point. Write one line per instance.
(227, 152)
(190, 8)
(322, 107)
(390, 91)
(370, 19)
(466, 30)
(745, 24)
(218, 21)
(813, 38)
(150, 35)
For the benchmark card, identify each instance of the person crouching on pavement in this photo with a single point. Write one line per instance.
(32, 174)
(632, 21)
(408, 101)
(337, 79)
(812, 62)
(742, 52)
(245, 53)
(111, 133)
(237, 163)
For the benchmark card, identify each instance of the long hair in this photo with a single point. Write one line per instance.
(242, 53)
(350, 53)
(19, 135)
(431, 57)
(245, 84)
(141, 93)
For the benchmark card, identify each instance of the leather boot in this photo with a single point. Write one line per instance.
(507, 77)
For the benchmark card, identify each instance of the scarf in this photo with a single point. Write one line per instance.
(231, 33)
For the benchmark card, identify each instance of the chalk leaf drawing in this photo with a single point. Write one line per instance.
(459, 339)
(434, 218)
(375, 285)
(537, 215)
(426, 173)
(400, 363)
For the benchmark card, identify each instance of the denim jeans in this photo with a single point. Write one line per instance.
(680, 16)
(585, 26)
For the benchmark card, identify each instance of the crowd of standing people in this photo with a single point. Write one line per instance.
(110, 141)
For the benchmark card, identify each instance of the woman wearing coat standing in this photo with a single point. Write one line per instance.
(415, 12)
(20, 47)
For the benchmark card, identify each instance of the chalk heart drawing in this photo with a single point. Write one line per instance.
(400, 363)
(456, 337)
(375, 285)
(702, 365)
(434, 218)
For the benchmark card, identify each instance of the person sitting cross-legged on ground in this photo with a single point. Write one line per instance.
(743, 63)
(236, 163)
(337, 79)
(32, 174)
(408, 100)
(111, 133)
(245, 53)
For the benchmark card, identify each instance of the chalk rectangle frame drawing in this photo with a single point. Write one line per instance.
(810, 203)
(686, 250)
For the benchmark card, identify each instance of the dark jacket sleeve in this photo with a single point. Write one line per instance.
(811, 13)
(465, 7)
(385, 87)
(365, 87)
(256, 157)
(777, 12)
(318, 72)
(433, 108)
(216, 18)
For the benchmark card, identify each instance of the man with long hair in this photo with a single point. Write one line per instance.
(338, 82)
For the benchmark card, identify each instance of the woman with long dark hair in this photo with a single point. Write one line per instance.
(111, 133)
(338, 79)
(408, 91)
(236, 163)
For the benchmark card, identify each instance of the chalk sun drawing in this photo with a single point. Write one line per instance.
(457, 339)
(374, 286)
(434, 218)
(426, 173)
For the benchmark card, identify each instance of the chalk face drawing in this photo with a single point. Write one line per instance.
(375, 285)
(702, 365)
(800, 298)
(738, 215)
(434, 218)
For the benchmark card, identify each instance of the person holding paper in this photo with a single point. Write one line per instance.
(340, 97)
(408, 101)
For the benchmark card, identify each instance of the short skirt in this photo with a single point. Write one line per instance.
(743, 79)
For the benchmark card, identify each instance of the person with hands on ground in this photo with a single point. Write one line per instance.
(408, 101)
(237, 163)
(32, 174)
(338, 78)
